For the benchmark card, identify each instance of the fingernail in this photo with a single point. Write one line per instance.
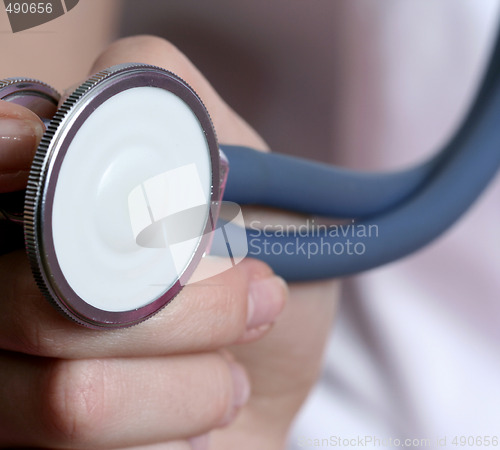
(241, 391)
(18, 142)
(199, 442)
(266, 300)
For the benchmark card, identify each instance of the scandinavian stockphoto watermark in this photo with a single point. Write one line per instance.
(350, 239)
(160, 218)
(30, 14)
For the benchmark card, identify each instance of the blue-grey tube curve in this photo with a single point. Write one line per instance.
(405, 210)
(286, 182)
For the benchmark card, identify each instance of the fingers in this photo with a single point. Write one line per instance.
(235, 306)
(231, 129)
(216, 313)
(115, 403)
(20, 133)
(21, 130)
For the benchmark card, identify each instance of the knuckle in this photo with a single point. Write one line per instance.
(231, 310)
(227, 304)
(32, 339)
(158, 44)
(226, 308)
(32, 323)
(73, 401)
(147, 43)
(156, 51)
(34, 332)
(146, 49)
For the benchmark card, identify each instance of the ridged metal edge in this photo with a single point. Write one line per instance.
(16, 80)
(7, 82)
(38, 172)
(34, 190)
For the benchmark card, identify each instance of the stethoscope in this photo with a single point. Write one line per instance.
(126, 190)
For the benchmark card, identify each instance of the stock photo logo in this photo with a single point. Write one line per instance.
(160, 218)
(26, 15)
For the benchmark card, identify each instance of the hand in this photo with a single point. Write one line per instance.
(166, 380)
(66, 386)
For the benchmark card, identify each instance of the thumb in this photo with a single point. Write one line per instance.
(20, 134)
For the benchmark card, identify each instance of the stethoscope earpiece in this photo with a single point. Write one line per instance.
(119, 206)
(35, 95)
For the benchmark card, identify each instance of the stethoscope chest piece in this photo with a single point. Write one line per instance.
(118, 208)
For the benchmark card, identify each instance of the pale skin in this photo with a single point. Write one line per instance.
(226, 365)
